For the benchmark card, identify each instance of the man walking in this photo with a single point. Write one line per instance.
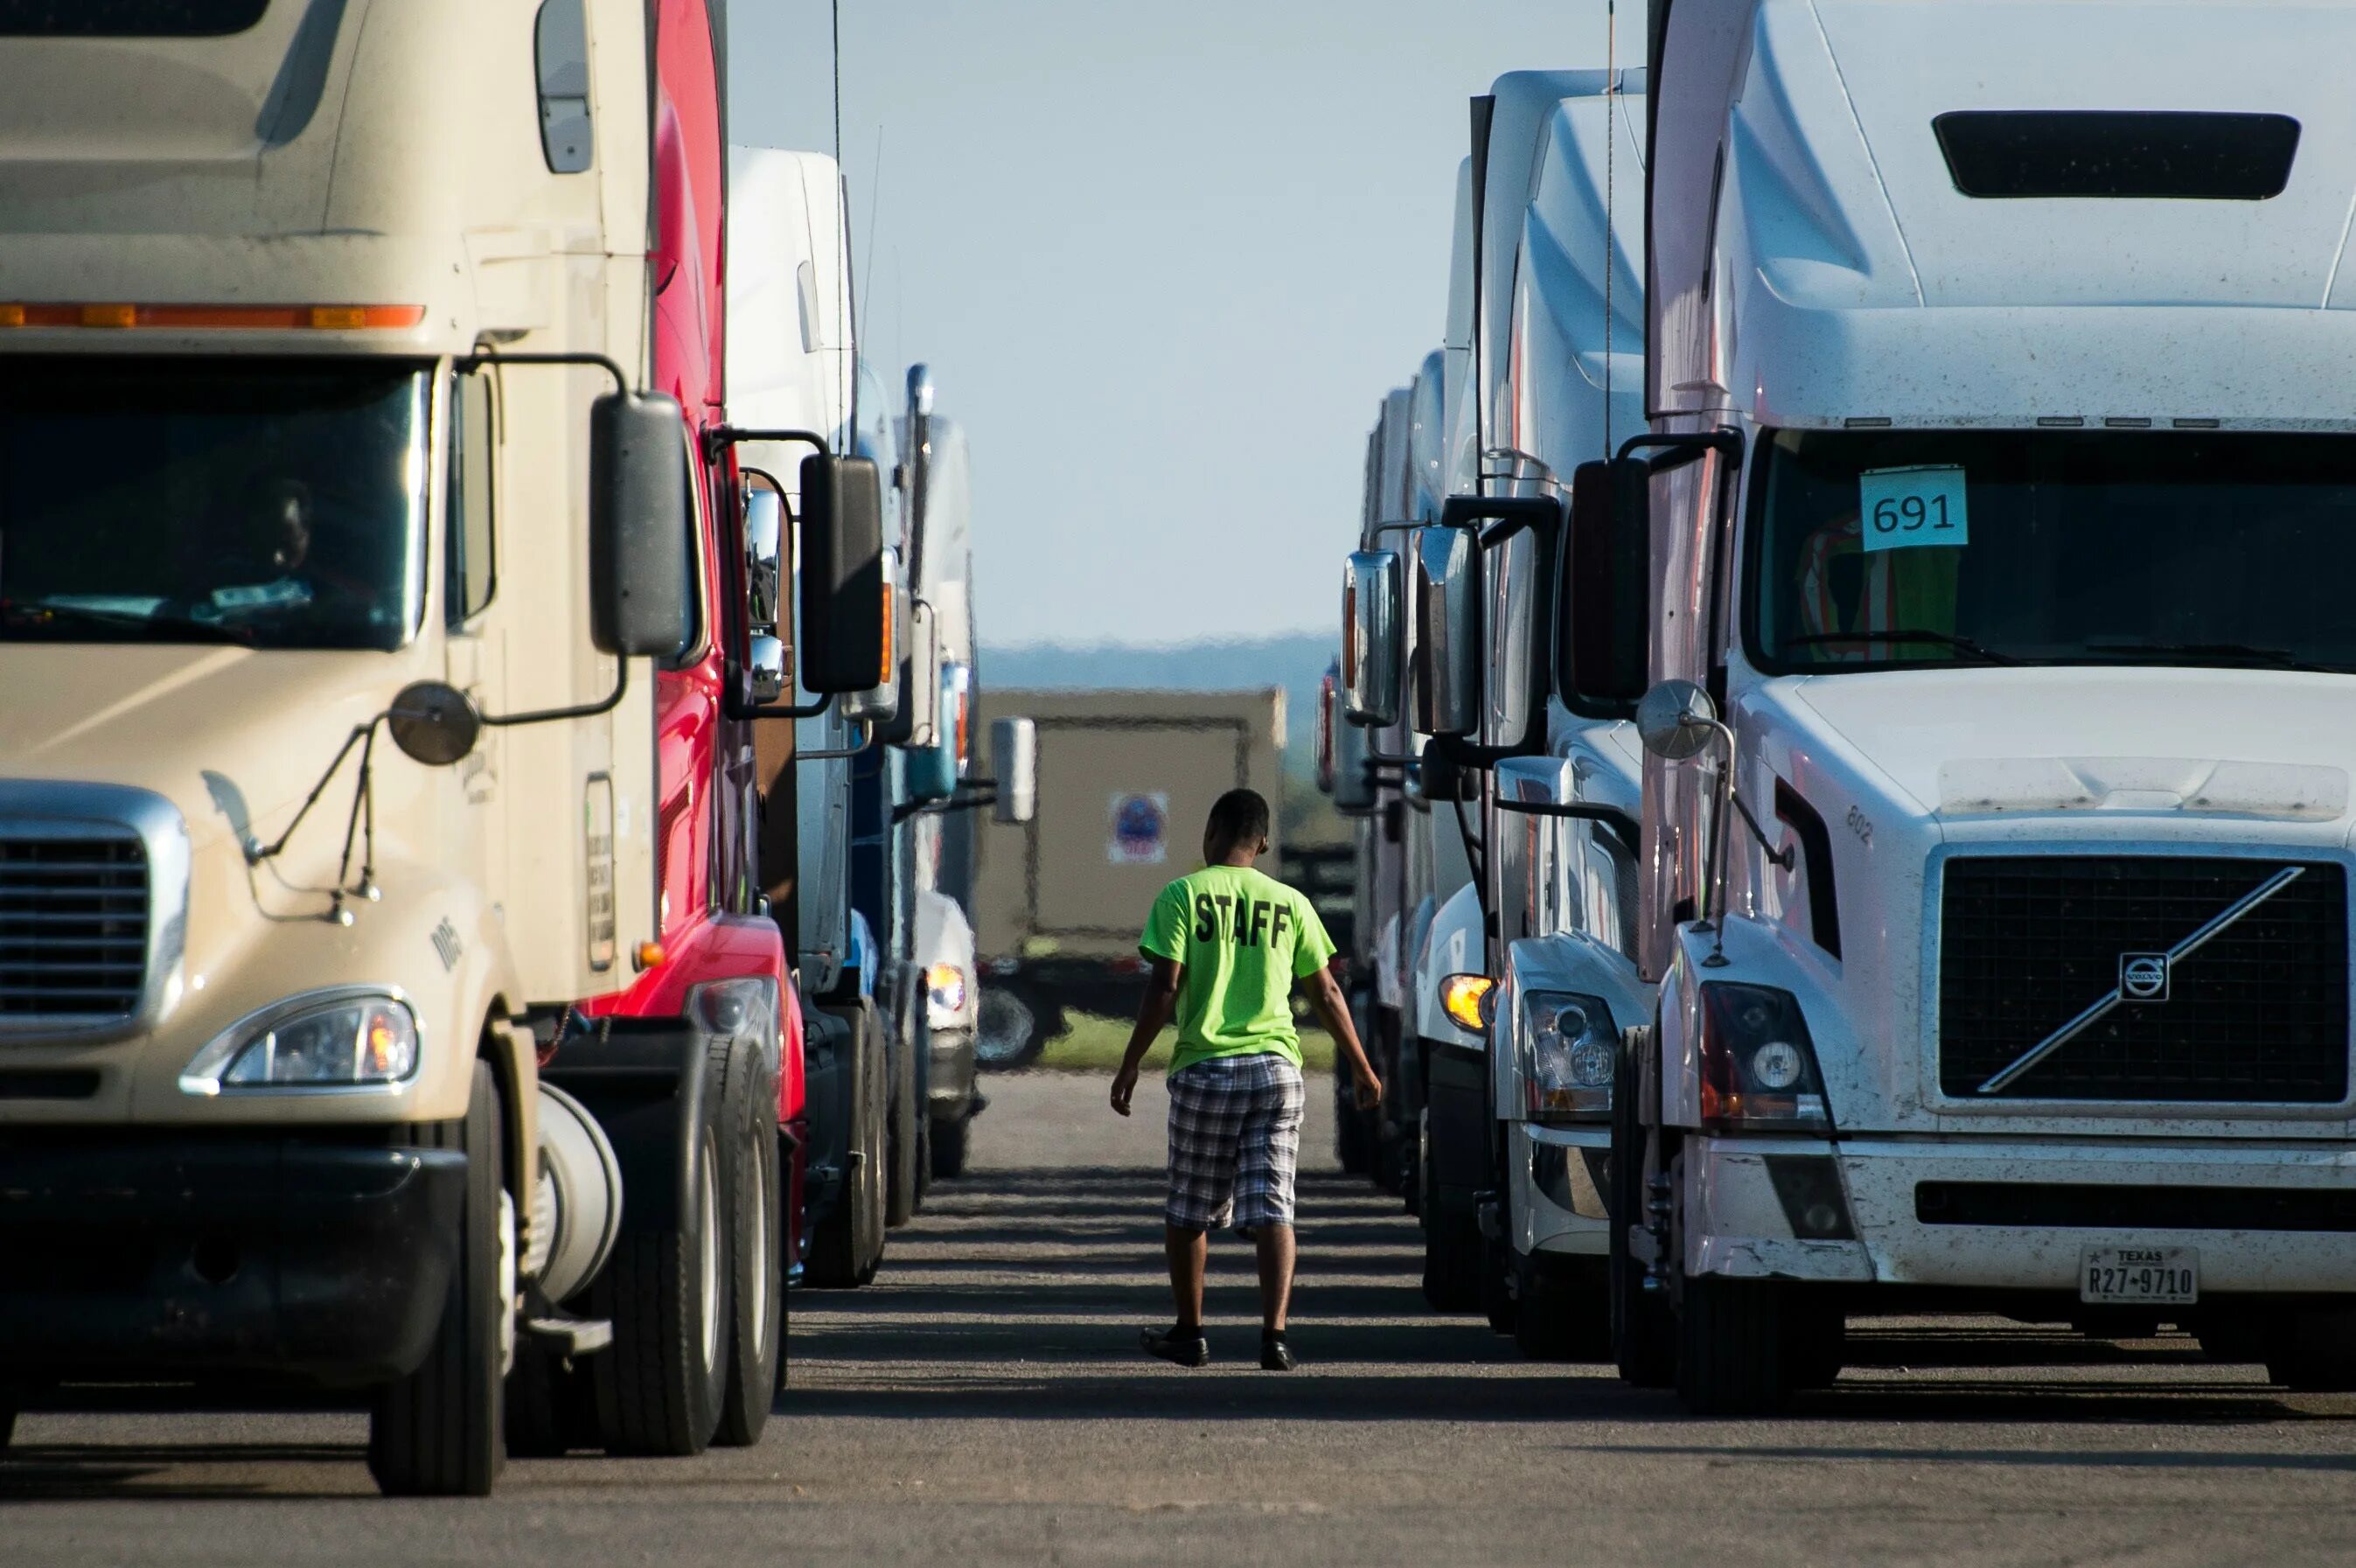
(1228, 946)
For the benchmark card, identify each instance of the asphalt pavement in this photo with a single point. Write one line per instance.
(983, 1403)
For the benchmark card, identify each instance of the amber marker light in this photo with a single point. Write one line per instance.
(1466, 999)
(647, 955)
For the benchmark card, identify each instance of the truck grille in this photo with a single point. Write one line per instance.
(73, 928)
(2259, 1012)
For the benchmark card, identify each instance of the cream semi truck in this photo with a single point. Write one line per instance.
(387, 1007)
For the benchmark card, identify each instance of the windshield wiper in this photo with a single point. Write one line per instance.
(37, 610)
(1964, 645)
(2280, 658)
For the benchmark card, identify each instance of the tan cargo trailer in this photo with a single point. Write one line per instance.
(1125, 780)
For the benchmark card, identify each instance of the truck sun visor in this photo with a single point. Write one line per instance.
(2106, 153)
(128, 18)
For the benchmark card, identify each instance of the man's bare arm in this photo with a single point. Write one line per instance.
(1325, 997)
(1153, 1017)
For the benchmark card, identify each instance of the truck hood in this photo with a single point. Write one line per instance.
(2248, 743)
(233, 737)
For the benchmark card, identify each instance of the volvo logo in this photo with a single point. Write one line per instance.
(2143, 976)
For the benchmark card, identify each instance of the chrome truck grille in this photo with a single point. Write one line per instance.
(73, 928)
(2143, 978)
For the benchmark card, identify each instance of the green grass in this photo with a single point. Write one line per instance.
(1094, 1045)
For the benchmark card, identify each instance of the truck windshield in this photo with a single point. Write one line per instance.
(1889, 549)
(267, 503)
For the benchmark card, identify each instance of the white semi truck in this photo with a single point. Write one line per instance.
(1972, 592)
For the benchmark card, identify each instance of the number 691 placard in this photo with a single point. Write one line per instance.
(1899, 508)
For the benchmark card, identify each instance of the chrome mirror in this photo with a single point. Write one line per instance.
(1675, 720)
(764, 531)
(765, 666)
(1014, 758)
(1373, 636)
(1448, 631)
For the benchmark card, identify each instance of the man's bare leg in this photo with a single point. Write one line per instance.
(1275, 1276)
(1189, 1253)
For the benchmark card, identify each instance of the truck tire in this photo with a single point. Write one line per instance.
(1819, 1348)
(951, 1138)
(2312, 1351)
(1352, 1137)
(436, 1433)
(846, 1247)
(1498, 1284)
(1558, 1317)
(1734, 1347)
(1644, 1341)
(756, 1230)
(1451, 1256)
(667, 1291)
(905, 1138)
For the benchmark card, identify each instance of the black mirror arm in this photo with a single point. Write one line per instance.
(600, 361)
(981, 792)
(720, 437)
(1675, 451)
(866, 737)
(738, 708)
(587, 711)
(1779, 858)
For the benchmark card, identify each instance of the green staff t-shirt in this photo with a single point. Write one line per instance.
(1244, 938)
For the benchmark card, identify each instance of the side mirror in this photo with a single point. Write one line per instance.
(879, 704)
(1517, 576)
(641, 554)
(1601, 625)
(1321, 747)
(1014, 758)
(1675, 720)
(1373, 636)
(916, 726)
(434, 723)
(1442, 780)
(1354, 780)
(764, 536)
(764, 667)
(1448, 632)
(847, 602)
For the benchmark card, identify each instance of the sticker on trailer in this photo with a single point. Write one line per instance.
(1138, 834)
(1898, 508)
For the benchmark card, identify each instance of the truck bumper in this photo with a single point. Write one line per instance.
(305, 1260)
(1561, 1189)
(1999, 1215)
(948, 1094)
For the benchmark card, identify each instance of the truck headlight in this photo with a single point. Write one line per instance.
(945, 990)
(1572, 1049)
(1758, 1062)
(321, 1040)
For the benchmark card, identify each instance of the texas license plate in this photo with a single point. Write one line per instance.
(2139, 1276)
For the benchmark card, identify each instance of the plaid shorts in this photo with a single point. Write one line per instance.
(1235, 1139)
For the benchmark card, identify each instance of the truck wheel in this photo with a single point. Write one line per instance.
(1819, 1348)
(1558, 1318)
(667, 1291)
(436, 1433)
(1734, 1351)
(1352, 1140)
(847, 1246)
(757, 1216)
(1452, 1259)
(1642, 1338)
(907, 1114)
(2312, 1351)
(1007, 1032)
(950, 1140)
(1497, 1285)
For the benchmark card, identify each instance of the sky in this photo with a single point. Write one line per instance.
(1164, 260)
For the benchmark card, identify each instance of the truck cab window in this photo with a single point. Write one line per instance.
(128, 18)
(470, 567)
(272, 503)
(560, 42)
